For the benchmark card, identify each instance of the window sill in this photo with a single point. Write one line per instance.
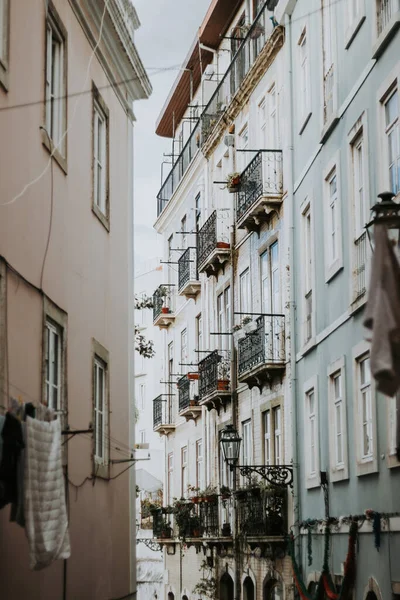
(333, 270)
(339, 474)
(313, 482)
(367, 468)
(352, 31)
(104, 220)
(60, 160)
(304, 122)
(101, 470)
(308, 346)
(358, 304)
(329, 127)
(392, 462)
(385, 37)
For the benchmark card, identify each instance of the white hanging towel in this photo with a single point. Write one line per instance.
(382, 314)
(45, 510)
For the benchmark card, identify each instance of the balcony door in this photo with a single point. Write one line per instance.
(271, 300)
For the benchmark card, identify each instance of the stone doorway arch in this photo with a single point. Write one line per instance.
(226, 587)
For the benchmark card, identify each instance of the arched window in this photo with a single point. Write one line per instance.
(185, 597)
(226, 587)
(171, 596)
(248, 589)
(273, 590)
(371, 596)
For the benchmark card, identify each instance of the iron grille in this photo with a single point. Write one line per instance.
(214, 373)
(262, 512)
(162, 411)
(262, 176)
(244, 58)
(161, 300)
(158, 522)
(184, 393)
(360, 260)
(207, 239)
(187, 267)
(264, 345)
(209, 521)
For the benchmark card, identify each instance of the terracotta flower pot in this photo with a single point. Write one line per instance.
(223, 245)
(222, 385)
(165, 310)
(193, 376)
(195, 499)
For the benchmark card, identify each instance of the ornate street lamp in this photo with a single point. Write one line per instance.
(386, 212)
(230, 440)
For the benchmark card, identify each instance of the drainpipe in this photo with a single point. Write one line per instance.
(234, 400)
(292, 299)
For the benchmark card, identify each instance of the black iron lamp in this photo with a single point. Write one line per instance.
(281, 475)
(386, 212)
(230, 442)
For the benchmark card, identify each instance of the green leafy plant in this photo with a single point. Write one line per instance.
(207, 586)
(233, 179)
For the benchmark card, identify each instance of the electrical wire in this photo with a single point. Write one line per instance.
(51, 208)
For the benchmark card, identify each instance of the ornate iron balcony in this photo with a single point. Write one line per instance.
(360, 246)
(260, 189)
(214, 379)
(188, 278)
(163, 414)
(262, 350)
(213, 249)
(163, 313)
(262, 512)
(209, 519)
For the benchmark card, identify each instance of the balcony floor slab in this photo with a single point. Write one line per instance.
(259, 212)
(216, 399)
(190, 289)
(262, 374)
(215, 262)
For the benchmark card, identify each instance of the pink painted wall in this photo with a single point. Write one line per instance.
(86, 274)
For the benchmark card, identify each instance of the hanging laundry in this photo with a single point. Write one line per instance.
(46, 520)
(382, 314)
(12, 445)
(17, 514)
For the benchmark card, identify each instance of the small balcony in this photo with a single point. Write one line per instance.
(262, 513)
(163, 416)
(189, 397)
(213, 248)
(163, 306)
(260, 190)
(188, 277)
(261, 353)
(214, 380)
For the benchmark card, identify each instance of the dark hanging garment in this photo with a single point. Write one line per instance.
(12, 446)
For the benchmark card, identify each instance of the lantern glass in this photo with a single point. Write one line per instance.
(386, 211)
(230, 443)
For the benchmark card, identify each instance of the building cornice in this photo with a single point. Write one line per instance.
(116, 52)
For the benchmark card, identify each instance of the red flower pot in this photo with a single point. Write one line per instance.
(223, 245)
(165, 310)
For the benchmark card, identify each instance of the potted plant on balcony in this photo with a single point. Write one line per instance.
(210, 494)
(225, 492)
(248, 324)
(194, 526)
(194, 493)
(223, 373)
(238, 332)
(233, 182)
(166, 529)
(226, 530)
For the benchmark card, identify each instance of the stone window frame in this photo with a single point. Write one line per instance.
(57, 316)
(99, 105)
(101, 468)
(338, 473)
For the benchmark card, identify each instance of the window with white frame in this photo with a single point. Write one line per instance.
(308, 273)
(199, 333)
(393, 437)
(184, 351)
(184, 231)
(245, 293)
(392, 131)
(329, 75)
(333, 217)
(224, 317)
(272, 424)
(170, 477)
(243, 144)
(247, 443)
(270, 282)
(262, 119)
(55, 81)
(365, 409)
(142, 436)
(141, 396)
(53, 365)
(184, 471)
(199, 464)
(311, 430)
(337, 414)
(272, 116)
(360, 213)
(353, 10)
(304, 76)
(100, 153)
(170, 384)
(100, 410)
(198, 210)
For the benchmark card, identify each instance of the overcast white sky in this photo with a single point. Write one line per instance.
(166, 34)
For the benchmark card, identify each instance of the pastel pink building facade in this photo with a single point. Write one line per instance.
(69, 74)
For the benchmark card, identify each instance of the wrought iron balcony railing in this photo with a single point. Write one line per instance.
(214, 373)
(187, 268)
(162, 411)
(209, 519)
(262, 512)
(243, 60)
(261, 177)
(162, 301)
(212, 239)
(265, 345)
(360, 246)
